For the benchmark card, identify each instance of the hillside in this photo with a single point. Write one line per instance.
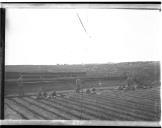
(92, 69)
(114, 74)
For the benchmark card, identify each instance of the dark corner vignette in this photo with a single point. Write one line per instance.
(2, 59)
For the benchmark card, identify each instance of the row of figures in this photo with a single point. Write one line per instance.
(43, 95)
(87, 91)
(91, 91)
(133, 84)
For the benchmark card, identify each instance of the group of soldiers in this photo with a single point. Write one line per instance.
(44, 95)
(87, 91)
(131, 84)
(91, 91)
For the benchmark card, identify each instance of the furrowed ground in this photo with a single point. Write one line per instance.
(108, 104)
(128, 91)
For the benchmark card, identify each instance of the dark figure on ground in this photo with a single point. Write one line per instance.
(88, 91)
(20, 85)
(39, 95)
(77, 90)
(53, 94)
(93, 90)
(44, 93)
(78, 85)
(62, 95)
(122, 87)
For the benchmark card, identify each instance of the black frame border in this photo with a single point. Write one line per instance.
(3, 17)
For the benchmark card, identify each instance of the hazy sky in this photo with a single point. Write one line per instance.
(56, 36)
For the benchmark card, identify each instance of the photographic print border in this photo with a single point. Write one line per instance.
(67, 5)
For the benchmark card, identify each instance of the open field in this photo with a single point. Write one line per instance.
(29, 87)
(138, 99)
(63, 77)
(107, 104)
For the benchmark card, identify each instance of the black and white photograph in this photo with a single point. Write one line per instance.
(85, 63)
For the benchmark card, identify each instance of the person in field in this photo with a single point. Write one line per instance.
(131, 84)
(62, 95)
(78, 85)
(93, 90)
(88, 91)
(53, 94)
(44, 94)
(40, 94)
(20, 85)
(121, 87)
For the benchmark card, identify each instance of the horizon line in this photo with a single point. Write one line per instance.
(79, 63)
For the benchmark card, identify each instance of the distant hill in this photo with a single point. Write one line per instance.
(93, 69)
(76, 67)
(143, 73)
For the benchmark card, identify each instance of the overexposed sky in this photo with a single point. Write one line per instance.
(56, 36)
